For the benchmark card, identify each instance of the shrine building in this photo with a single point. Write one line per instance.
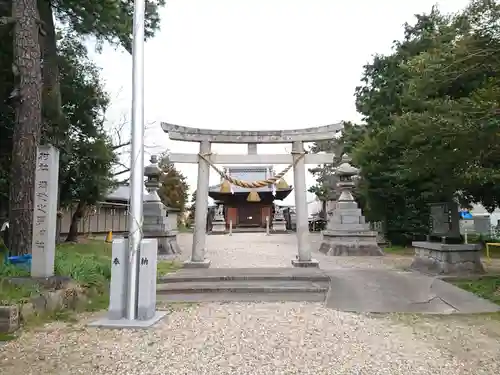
(248, 207)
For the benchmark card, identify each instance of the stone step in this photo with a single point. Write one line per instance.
(242, 297)
(246, 286)
(218, 278)
(245, 274)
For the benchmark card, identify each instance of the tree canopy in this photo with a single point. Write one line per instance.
(174, 189)
(35, 97)
(431, 128)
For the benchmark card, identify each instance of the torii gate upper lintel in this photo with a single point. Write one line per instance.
(190, 134)
(298, 158)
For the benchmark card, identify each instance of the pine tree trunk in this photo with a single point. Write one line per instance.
(75, 222)
(54, 126)
(52, 116)
(27, 128)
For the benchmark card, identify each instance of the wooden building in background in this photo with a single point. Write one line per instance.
(109, 215)
(237, 207)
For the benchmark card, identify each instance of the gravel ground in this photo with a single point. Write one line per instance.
(264, 338)
(246, 250)
(272, 338)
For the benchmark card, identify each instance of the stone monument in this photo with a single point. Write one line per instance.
(45, 212)
(219, 222)
(156, 223)
(442, 252)
(279, 222)
(347, 233)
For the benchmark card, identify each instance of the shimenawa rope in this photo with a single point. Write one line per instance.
(253, 184)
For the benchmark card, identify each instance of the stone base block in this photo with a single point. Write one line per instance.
(218, 227)
(445, 259)
(350, 244)
(313, 263)
(168, 245)
(191, 264)
(9, 318)
(130, 324)
(279, 227)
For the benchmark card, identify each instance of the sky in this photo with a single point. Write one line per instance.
(254, 65)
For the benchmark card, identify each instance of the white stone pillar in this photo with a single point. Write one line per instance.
(200, 216)
(45, 212)
(300, 189)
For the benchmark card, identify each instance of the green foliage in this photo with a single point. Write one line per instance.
(432, 128)
(11, 293)
(486, 287)
(78, 132)
(174, 189)
(325, 187)
(11, 270)
(87, 154)
(89, 269)
(108, 21)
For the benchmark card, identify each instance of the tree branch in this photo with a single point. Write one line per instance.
(121, 172)
(114, 148)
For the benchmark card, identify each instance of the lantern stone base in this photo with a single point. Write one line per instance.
(194, 264)
(167, 242)
(447, 259)
(342, 243)
(279, 226)
(313, 263)
(219, 227)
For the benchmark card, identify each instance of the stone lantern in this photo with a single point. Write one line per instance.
(347, 232)
(346, 174)
(156, 223)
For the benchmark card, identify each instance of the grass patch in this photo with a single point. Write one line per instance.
(487, 287)
(399, 250)
(88, 263)
(165, 267)
(7, 337)
(11, 294)
(494, 252)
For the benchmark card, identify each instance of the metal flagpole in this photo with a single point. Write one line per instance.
(137, 157)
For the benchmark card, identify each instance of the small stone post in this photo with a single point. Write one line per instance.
(45, 212)
(267, 226)
(230, 227)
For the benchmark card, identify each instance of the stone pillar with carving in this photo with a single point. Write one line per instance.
(156, 223)
(347, 232)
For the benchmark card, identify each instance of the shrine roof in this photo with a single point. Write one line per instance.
(120, 194)
(248, 173)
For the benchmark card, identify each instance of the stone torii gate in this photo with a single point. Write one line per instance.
(298, 159)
